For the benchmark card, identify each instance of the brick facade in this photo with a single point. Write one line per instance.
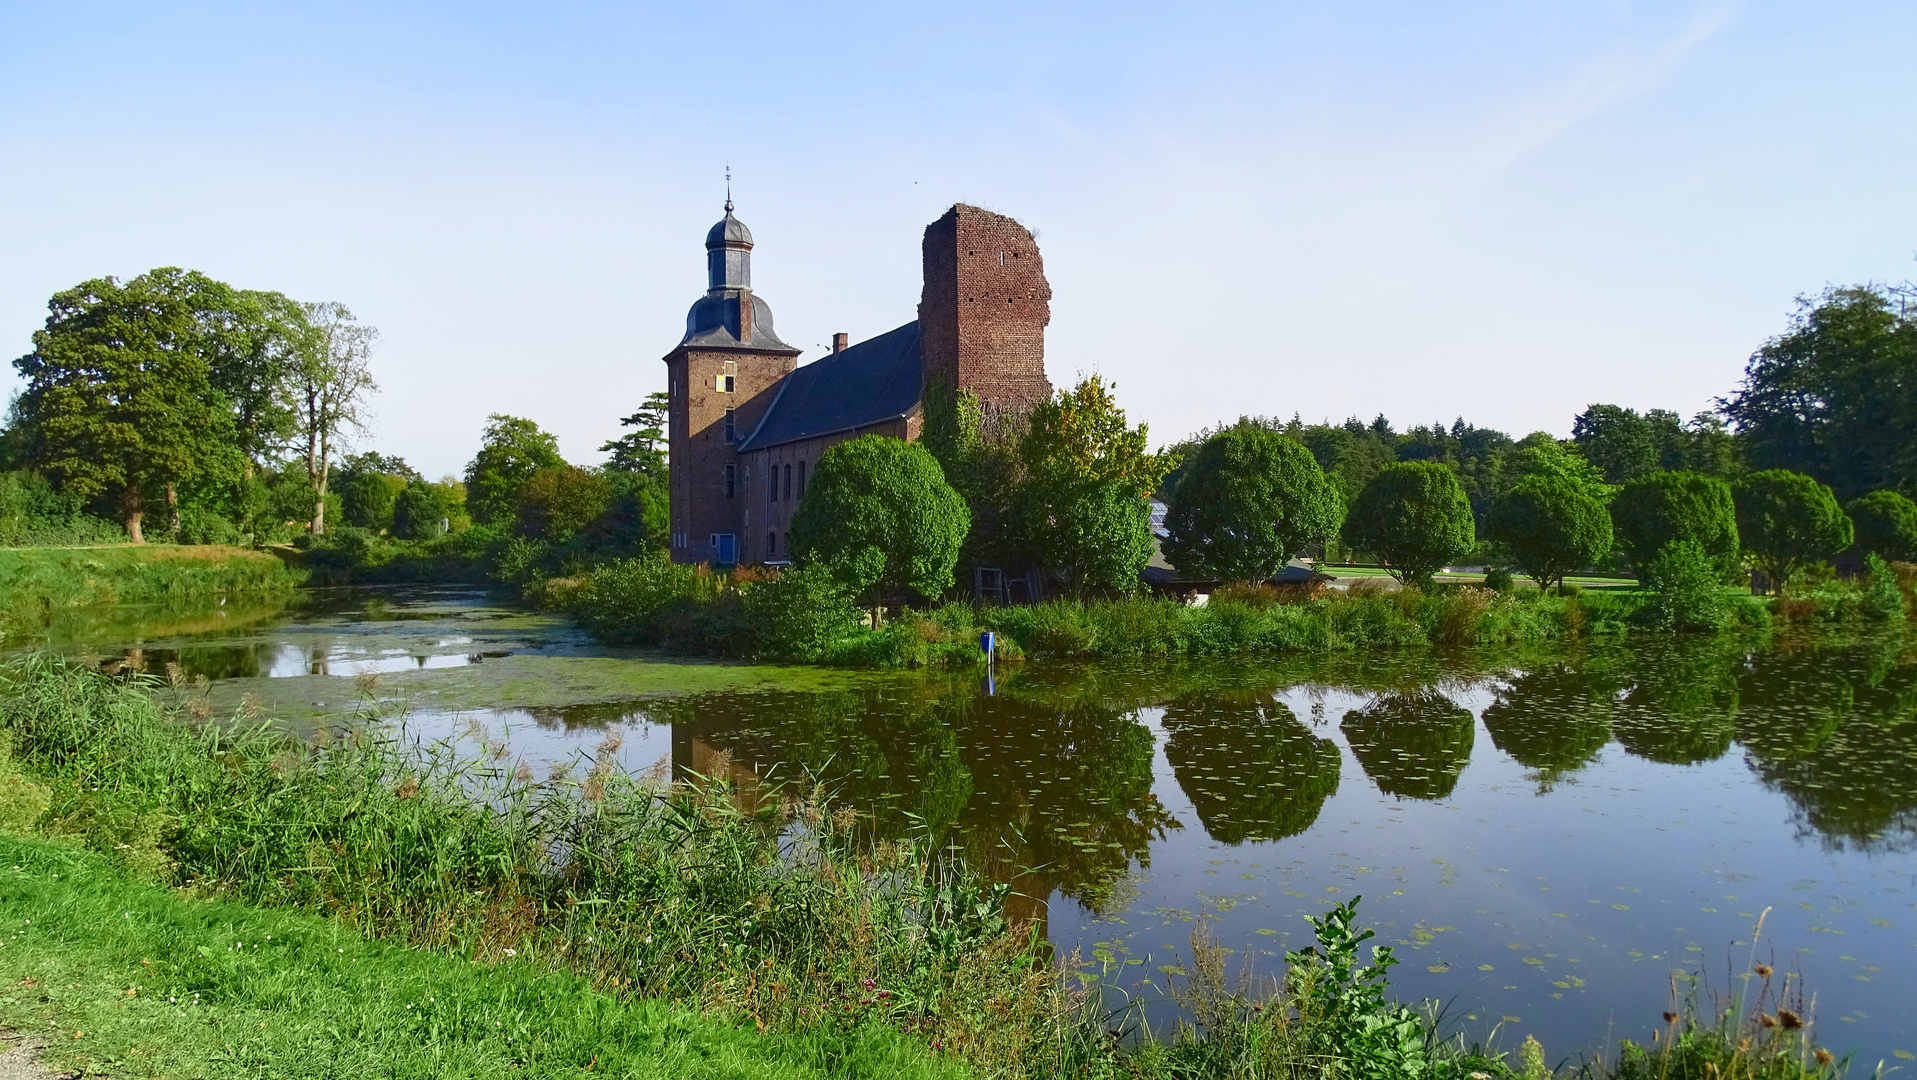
(982, 318)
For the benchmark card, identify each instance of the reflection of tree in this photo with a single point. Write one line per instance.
(1065, 787)
(1553, 719)
(1681, 708)
(1250, 769)
(1412, 745)
(1835, 729)
(893, 758)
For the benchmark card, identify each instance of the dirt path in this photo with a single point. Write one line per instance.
(20, 1059)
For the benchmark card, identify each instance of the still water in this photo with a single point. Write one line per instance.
(1546, 836)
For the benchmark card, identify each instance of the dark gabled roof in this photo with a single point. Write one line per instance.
(878, 379)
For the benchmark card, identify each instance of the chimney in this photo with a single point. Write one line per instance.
(745, 317)
(839, 342)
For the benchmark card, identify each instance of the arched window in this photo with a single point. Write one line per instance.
(788, 481)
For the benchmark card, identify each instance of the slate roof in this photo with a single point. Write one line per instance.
(878, 379)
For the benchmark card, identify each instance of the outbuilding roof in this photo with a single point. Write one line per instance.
(876, 380)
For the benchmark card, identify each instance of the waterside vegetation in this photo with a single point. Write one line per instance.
(656, 916)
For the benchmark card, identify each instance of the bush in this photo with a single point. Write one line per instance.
(1499, 580)
(32, 513)
(1687, 587)
(1661, 508)
(1787, 519)
(1551, 526)
(801, 615)
(1414, 516)
(1886, 524)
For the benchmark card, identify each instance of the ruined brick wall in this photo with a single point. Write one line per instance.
(984, 308)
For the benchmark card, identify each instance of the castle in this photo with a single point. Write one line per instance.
(746, 422)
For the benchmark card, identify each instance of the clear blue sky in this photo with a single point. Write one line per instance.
(1501, 210)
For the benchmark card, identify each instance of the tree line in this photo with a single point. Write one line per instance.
(1812, 458)
(223, 407)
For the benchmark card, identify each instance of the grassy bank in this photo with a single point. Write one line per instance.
(135, 980)
(584, 912)
(36, 583)
(797, 617)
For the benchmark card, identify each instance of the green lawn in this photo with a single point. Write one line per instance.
(1589, 581)
(138, 981)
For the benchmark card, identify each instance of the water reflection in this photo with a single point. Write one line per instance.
(1630, 809)
(1412, 744)
(1250, 769)
(1553, 719)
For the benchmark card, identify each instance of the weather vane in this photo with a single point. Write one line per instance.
(728, 187)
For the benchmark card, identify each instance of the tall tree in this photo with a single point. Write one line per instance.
(1835, 395)
(1249, 500)
(119, 402)
(510, 451)
(1886, 526)
(642, 450)
(331, 383)
(1084, 509)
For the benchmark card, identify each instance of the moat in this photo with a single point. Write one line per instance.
(1548, 836)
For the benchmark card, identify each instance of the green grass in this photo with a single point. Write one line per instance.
(38, 584)
(136, 980)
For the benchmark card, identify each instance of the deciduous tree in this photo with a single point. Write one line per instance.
(1552, 526)
(119, 401)
(331, 383)
(1886, 525)
(1659, 508)
(1250, 498)
(1786, 520)
(1415, 517)
(879, 516)
(510, 451)
(1835, 395)
(1084, 510)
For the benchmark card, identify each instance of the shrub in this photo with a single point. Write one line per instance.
(1886, 525)
(1687, 587)
(1415, 517)
(1499, 580)
(1661, 508)
(800, 615)
(1248, 501)
(1787, 519)
(1551, 526)
(367, 499)
(1883, 599)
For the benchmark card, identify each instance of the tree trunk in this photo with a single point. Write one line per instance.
(173, 507)
(135, 510)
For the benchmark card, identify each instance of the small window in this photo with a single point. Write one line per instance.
(771, 543)
(732, 480)
(732, 432)
(788, 482)
(801, 479)
(772, 488)
(730, 384)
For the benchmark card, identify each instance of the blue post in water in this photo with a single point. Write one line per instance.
(987, 644)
